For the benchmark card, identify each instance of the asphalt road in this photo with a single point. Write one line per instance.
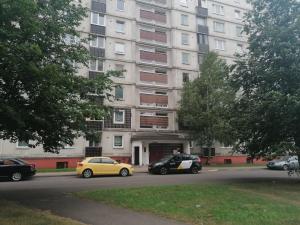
(55, 193)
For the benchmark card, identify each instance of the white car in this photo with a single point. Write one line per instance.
(283, 163)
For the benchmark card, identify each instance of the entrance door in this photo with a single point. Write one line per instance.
(136, 155)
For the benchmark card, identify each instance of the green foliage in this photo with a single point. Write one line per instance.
(204, 104)
(266, 113)
(42, 98)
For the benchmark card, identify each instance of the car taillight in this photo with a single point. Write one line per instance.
(32, 166)
(199, 160)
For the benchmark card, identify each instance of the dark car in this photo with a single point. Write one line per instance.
(16, 169)
(176, 163)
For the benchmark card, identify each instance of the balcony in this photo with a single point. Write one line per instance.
(93, 151)
(203, 48)
(94, 125)
(152, 100)
(99, 6)
(154, 122)
(202, 29)
(200, 11)
(160, 18)
(97, 52)
(158, 37)
(95, 29)
(155, 78)
(154, 57)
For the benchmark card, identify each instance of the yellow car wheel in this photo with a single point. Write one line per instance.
(124, 172)
(87, 173)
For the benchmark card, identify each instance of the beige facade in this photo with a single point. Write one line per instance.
(157, 43)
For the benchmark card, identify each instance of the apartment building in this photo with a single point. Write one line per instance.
(159, 44)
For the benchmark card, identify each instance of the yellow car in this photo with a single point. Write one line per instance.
(102, 166)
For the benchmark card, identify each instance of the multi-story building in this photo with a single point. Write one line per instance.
(159, 44)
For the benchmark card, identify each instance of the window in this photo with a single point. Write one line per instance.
(96, 65)
(239, 30)
(23, 144)
(120, 67)
(185, 77)
(121, 5)
(184, 39)
(71, 39)
(120, 26)
(184, 20)
(201, 21)
(107, 161)
(119, 92)
(120, 48)
(97, 19)
(203, 3)
(118, 141)
(95, 160)
(185, 58)
(219, 27)
(202, 39)
(218, 9)
(237, 14)
(183, 3)
(97, 42)
(219, 44)
(119, 116)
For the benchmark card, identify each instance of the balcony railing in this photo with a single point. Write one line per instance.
(200, 11)
(203, 48)
(99, 6)
(93, 151)
(202, 29)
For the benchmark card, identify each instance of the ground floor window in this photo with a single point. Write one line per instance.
(118, 141)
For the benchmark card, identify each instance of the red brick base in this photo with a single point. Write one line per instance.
(50, 163)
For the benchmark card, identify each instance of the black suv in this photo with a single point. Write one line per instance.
(176, 163)
(16, 169)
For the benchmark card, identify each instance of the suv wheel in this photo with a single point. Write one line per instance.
(17, 176)
(194, 170)
(285, 167)
(163, 171)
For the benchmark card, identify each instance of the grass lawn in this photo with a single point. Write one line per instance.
(56, 170)
(13, 214)
(211, 204)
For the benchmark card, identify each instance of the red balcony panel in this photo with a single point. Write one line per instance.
(160, 37)
(146, 35)
(160, 17)
(146, 14)
(161, 57)
(153, 120)
(154, 99)
(153, 77)
(147, 55)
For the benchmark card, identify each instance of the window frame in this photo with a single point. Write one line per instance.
(97, 65)
(123, 5)
(188, 58)
(219, 30)
(119, 52)
(182, 20)
(118, 22)
(123, 117)
(97, 41)
(98, 19)
(186, 35)
(115, 146)
(121, 87)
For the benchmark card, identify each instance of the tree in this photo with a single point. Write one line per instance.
(266, 79)
(204, 104)
(42, 98)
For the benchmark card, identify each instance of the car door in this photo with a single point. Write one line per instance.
(109, 166)
(2, 168)
(8, 167)
(95, 165)
(174, 163)
(186, 163)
